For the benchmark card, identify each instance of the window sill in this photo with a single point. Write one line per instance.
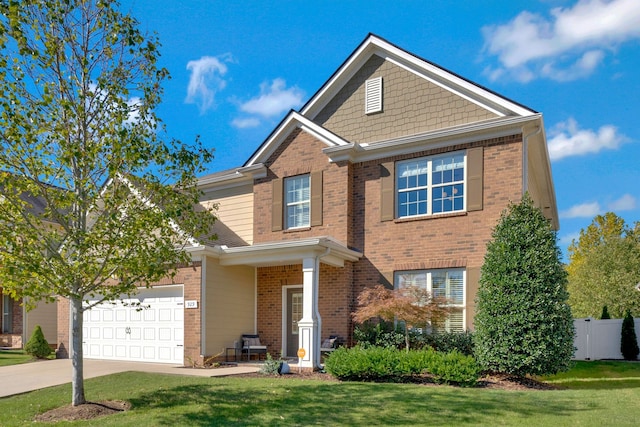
(427, 217)
(294, 230)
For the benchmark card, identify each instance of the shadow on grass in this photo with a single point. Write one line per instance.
(276, 401)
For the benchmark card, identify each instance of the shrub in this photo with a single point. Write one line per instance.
(37, 346)
(271, 366)
(523, 321)
(380, 334)
(446, 342)
(628, 339)
(605, 313)
(391, 364)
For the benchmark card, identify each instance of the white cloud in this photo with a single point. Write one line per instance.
(625, 203)
(567, 139)
(588, 210)
(584, 210)
(569, 45)
(274, 99)
(567, 239)
(245, 123)
(206, 80)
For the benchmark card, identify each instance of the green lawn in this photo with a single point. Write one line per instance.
(588, 399)
(14, 357)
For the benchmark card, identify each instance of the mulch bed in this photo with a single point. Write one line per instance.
(88, 411)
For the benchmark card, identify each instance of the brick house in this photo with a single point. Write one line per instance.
(394, 172)
(16, 322)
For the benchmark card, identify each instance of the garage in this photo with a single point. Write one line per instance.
(148, 327)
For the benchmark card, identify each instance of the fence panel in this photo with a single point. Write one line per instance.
(599, 339)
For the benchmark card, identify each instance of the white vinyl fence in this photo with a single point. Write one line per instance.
(599, 339)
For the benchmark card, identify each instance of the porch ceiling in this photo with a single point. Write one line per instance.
(288, 252)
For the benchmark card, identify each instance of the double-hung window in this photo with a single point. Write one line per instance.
(298, 201)
(430, 185)
(442, 283)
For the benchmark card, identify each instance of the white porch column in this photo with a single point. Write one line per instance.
(310, 325)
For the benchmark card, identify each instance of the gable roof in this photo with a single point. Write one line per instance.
(375, 45)
(292, 121)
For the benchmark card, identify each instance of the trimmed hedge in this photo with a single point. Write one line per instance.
(385, 364)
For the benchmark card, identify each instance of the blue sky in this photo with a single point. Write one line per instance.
(238, 67)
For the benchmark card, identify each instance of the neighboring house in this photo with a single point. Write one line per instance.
(394, 172)
(16, 323)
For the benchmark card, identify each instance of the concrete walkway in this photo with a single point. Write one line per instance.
(16, 379)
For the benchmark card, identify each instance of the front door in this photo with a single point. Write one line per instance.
(294, 314)
(7, 314)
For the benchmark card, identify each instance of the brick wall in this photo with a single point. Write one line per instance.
(445, 241)
(299, 154)
(334, 301)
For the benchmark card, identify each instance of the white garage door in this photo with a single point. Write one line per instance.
(122, 331)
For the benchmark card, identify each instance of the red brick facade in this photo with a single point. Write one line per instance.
(351, 214)
(334, 301)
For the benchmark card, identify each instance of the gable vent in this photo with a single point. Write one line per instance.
(373, 96)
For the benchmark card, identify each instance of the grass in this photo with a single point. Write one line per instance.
(14, 357)
(588, 398)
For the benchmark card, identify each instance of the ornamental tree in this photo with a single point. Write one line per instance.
(412, 305)
(96, 200)
(523, 322)
(604, 268)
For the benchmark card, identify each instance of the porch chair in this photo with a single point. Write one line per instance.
(329, 344)
(250, 344)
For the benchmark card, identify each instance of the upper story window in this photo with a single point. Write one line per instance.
(297, 190)
(445, 283)
(430, 185)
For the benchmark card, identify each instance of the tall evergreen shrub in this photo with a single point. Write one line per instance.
(523, 322)
(605, 313)
(628, 339)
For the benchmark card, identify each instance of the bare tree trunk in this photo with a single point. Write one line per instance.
(77, 375)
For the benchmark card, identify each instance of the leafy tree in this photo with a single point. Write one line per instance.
(412, 305)
(604, 268)
(628, 339)
(37, 346)
(91, 185)
(605, 313)
(523, 322)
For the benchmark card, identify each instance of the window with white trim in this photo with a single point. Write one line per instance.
(443, 283)
(297, 191)
(430, 185)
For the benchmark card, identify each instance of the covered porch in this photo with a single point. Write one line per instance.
(296, 281)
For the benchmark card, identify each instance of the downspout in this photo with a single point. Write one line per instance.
(525, 158)
(203, 311)
(316, 311)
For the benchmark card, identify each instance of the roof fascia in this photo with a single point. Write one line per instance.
(421, 67)
(289, 124)
(329, 251)
(361, 152)
(234, 178)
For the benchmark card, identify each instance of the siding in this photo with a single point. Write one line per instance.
(46, 316)
(229, 304)
(411, 105)
(235, 209)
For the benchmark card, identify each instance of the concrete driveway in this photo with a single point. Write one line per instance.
(16, 379)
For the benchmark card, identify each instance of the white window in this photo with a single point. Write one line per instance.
(430, 185)
(298, 201)
(449, 284)
(373, 96)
